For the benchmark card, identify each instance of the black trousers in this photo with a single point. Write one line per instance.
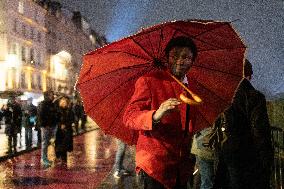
(62, 155)
(147, 182)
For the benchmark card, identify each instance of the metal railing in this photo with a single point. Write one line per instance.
(278, 144)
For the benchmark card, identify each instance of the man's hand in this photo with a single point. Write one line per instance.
(166, 107)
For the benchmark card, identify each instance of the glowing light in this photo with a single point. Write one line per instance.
(59, 63)
(12, 61)
(3, 79)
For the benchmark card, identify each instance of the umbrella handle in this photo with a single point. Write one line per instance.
(196, 99)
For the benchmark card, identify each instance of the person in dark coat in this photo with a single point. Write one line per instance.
(13, 118)
(64, 134)
(246, 156)
(30, 121)
(47, 119)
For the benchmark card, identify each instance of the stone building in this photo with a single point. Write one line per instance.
(41, 46)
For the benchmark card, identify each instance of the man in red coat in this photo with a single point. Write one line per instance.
(163, 148)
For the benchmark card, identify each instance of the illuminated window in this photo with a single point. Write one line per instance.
(21, 7)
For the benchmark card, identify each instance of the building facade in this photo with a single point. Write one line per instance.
(41, 46)
(22, 46)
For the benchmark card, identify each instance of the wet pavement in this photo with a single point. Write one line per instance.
(21, 147)
(89, 166)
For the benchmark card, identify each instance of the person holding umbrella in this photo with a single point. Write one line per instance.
(130, 89)
(162, 151)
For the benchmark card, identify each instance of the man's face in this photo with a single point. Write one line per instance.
(180, 61)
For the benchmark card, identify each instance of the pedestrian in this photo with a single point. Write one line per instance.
(119, 169)
(77, 113)
(246, 156)
(30, 113)
(205, 159)
(13, 117)
(163, 157)
(47, 119)
(83, 117)
(64, 133)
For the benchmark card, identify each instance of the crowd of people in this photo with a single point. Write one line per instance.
(57, 116)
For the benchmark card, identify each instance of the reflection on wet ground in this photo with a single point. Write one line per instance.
(88, 165)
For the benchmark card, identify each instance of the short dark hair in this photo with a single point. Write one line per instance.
(247, 68)
(181, 41)
(47, 93)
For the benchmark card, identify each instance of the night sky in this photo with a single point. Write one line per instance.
(260, 24)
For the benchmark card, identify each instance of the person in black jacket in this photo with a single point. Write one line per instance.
(13, 119)
(30, 114)
(64, 133)
(47, 119)
(246, 156)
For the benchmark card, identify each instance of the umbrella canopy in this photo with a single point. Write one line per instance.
(10, 93)
(108, 74)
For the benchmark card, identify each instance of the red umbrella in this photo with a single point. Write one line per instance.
(108, 75)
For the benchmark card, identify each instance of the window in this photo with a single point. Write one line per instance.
(24, 30)
(36, 16)
(38, 58)
(23, 53)
(21, 7)
(23, 80)
(39, 37)
(32, 33)
(33, 82)
(39, 82)
(13, 49)
(32, 56)
(15, 26)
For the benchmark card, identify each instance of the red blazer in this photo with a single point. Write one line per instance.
(164, 149)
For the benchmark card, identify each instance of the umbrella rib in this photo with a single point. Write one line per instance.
(129, 79)
(116, 117)
(235, 75)
(195, 37)
(142, 47)
(160, 41)
(221, 49)
(204, 118)
(134, 55)
(209, 90)
(126, 68)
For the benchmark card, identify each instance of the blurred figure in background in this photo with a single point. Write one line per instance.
(77, 114)
(13, 118)
(47, 119)
(30, 121)
(119, 169)
(64, 133)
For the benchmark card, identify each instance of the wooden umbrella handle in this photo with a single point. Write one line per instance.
(196, 99)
